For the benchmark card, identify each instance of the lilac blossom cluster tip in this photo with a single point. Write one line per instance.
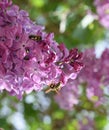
(93, 78)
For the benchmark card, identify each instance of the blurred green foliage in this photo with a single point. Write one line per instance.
(52, 13)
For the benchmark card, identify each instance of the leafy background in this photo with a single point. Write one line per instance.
(38, 111)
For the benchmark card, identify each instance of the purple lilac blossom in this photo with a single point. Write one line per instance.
(105, 67)
(27, 64)
(102, 8)
(92, 76)
(87, 123)
(95, 77)
(68, 96)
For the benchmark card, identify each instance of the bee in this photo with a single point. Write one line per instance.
(54, 87)
(36, 38)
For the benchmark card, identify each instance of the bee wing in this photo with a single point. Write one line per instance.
(57, 91)
(48, 90)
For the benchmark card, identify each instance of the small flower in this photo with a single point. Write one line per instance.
(5, 3)
(4, 52)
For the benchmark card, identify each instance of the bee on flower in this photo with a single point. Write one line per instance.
(54, 87)
(36, 38)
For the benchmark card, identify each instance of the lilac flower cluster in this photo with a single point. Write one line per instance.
(102, 8)
(31, 59)
(94, 77)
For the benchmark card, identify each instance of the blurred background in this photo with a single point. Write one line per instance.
(72, 23)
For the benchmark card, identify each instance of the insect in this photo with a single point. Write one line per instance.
(54, 87)
(36, 38)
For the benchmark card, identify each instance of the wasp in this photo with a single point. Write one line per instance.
(36, 38)
(54, 87)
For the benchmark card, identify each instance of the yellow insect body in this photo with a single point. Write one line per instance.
(35, 38)
(54, 87)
